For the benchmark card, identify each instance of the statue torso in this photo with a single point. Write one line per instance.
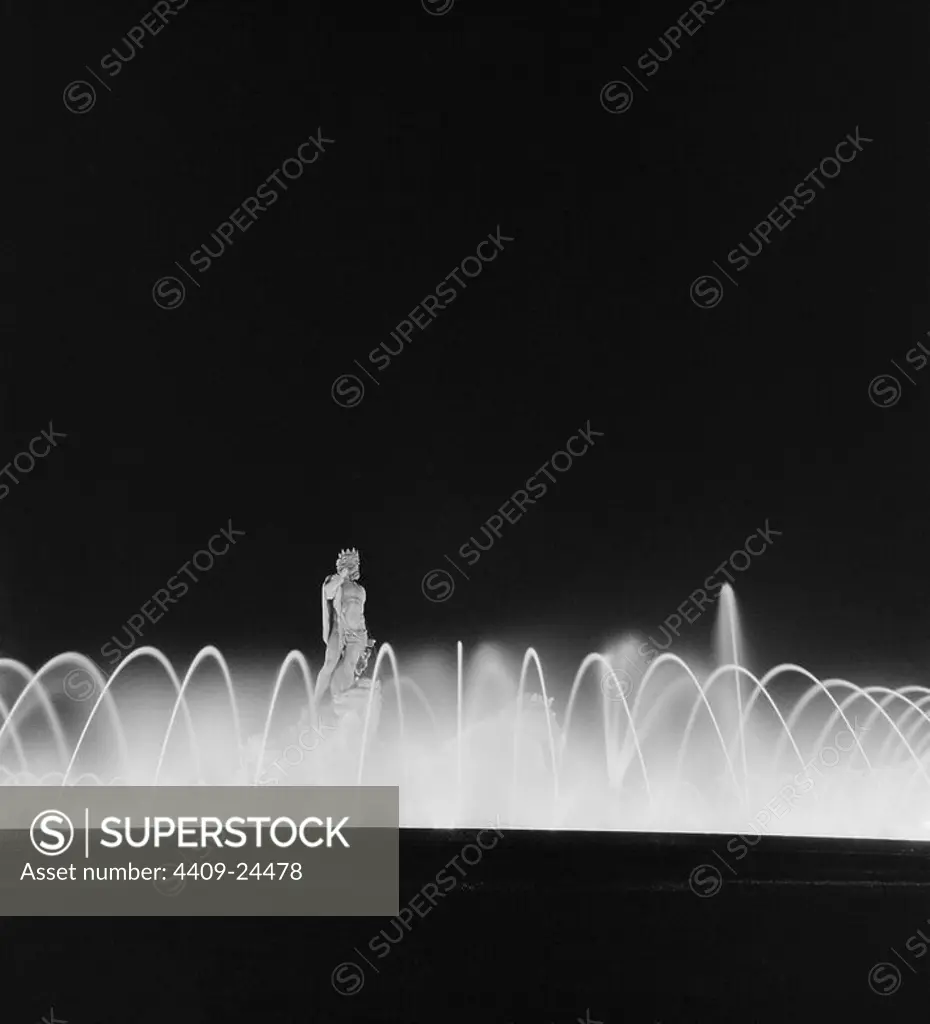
(353, 605)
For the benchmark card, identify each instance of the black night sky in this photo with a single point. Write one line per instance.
(446, 129)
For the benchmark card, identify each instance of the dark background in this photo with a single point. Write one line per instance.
(445, 127)
(714, 420)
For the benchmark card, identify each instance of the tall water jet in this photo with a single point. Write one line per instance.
(728, 651)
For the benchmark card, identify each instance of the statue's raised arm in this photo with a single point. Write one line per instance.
(332, 587)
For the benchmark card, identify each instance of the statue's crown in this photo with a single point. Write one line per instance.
(348, 558)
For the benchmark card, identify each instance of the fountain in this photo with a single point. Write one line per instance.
(674, 748)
